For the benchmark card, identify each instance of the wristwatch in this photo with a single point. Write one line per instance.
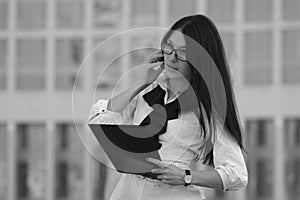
(187, 177)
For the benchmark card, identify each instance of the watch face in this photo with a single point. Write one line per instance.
(188, 179)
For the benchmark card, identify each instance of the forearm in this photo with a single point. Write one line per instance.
(207, 178)
(120, 101)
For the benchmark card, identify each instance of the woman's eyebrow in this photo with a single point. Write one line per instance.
(170, 41)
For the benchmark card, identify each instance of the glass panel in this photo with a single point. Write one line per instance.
(99, 179)
(3, 63)
(291, 56)
(69, 165)
(258, 58)
(31, 14)
(3, 162)
(291, 9)
(292, 177)
(179, 9)
(30, 80)
(69, 56)
(33, 58)
(292, 132)
(107, 13)
(70, 14)
(258, 10)
(145, 13)
(3, 14)
(2, 80)
(221, 11)
(3, 53)
(297, 132)
(264, 179)
(31, 161)
(228, 42)
(107, 76)
(30, 64)
(142, 47)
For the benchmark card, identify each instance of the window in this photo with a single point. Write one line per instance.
(264, 179)
(70, 13)
(228, 42)
(291, 9)
(69, 56)
(3, 63)
(69, 164)
(3, 14)
(258, 10)
(22, 174)
(291, 56)
(31, 14)
(292, 132)
(221, 11)
(22, 137)
(292, 178)
(62, 184)
(259, 133)
(258, 58)
(31, 161)
(178, 9)
(99, 179)
(3, 161)
(107, 63)
(142, 48)
(30, 72)
(107, 13)
(145, 13)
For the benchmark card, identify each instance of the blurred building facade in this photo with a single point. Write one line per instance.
(43, 43)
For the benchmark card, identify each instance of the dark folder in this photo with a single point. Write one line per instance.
(127, 147)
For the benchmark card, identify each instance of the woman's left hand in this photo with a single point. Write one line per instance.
(169, 174)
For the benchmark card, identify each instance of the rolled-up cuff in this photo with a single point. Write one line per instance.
(100, 114)
(224, 178)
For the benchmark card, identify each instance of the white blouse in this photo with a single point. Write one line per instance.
(182, 143)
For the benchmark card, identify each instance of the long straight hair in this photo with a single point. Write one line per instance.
(204, 32)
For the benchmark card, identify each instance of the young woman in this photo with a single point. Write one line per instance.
(206, 130)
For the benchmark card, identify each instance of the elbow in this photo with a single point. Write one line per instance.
(233, 178)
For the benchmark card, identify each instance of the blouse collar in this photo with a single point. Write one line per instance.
(161, 81)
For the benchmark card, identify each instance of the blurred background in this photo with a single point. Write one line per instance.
(43, 43)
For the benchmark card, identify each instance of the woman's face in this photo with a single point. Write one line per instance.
(176, 67)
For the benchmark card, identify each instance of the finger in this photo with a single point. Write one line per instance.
(159, 171)
(164, 177)
(156, 162)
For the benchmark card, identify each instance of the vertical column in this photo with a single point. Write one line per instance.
(12, 161)
(277, 50)
(11, 72)
(164, 11)
(279, 160)
(202, 6)
(239, 60)
(125, 41)
(87, 67)
(50, 160)
(50, 72)
(239, 44)
(87, 172)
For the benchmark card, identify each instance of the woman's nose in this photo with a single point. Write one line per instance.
(172, 57)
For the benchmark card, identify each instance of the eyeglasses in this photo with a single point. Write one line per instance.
(179, 54)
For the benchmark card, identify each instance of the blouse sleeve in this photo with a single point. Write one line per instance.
(229, 162)
(100, 115)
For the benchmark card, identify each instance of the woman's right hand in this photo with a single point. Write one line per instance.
(150, 69)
